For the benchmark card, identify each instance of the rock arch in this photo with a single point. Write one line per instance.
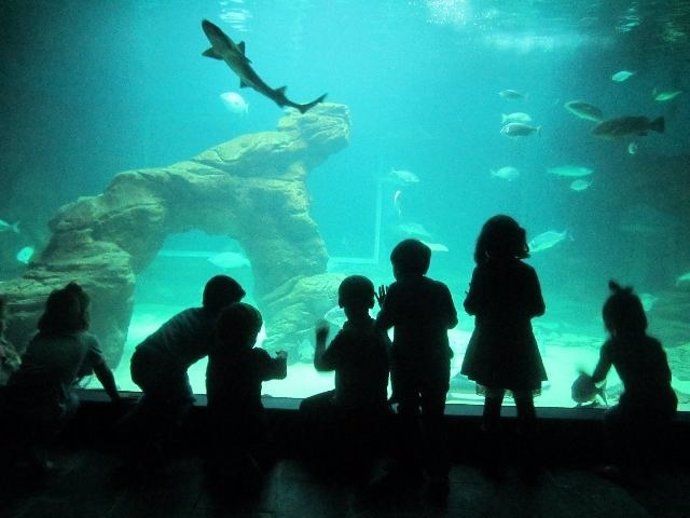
(251, 189)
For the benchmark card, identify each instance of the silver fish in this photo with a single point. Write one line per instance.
(515, 117)
(571, 171)
(546, 240)
(584, 110)
(506, 173)
(621, 76)
(5, 226)
(512, 94)
(518, 129)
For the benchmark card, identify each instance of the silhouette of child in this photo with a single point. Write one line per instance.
(648, 402)
(344, 422)
(9, 359)
(235, 372)
(42, 395)
(504, 296)
(421, 311)
(159, 367)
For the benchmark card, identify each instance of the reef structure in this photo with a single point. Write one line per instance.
(251, 189)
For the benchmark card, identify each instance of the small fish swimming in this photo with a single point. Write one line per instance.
(665, 95)
(229, 260)
(508, 173)
(518, 129)
(570, 171)
(546, 240)
(25, 254)
(512, 94)
(235, 103)
(5, 226)
(397, 202)
(584, 391)
(436, 247)
(648, 300)
(621, 76)
(683, 279)
(581, 184)
(626, 126)
(402, 176)
(584, 110)
(233, 54)
(632, 148)
(515, 117)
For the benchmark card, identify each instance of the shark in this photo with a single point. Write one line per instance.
(224, 49)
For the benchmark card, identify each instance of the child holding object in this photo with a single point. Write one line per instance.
(648, 403)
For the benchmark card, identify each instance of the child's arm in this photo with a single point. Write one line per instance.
(603, 365)
(320, 336)
(105, 376)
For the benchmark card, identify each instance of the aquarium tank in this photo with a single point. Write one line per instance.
(144, 152)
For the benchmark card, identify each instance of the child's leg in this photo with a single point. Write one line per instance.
(492, 409)
(527, 415)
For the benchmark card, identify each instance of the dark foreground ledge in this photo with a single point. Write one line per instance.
(566, 436)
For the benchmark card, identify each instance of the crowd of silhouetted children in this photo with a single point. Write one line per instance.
(347, 425)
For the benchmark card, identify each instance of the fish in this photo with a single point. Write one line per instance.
(25, 254)
(512, 94)
(397, 202)
(581, 184)
(5, 226)
(436, 247)
(233, 54)
(584, 110)
(235, 103)
(621, 76)
(665, 95)
(413, 229)
(584, 390)
(402, 176)
(506, 173)
(683, 279)
(546, 240)
(570, 171)
(632, 148)
(518, 129)
(515, 117)
(648, 300)
(229, 260)
(626, 126)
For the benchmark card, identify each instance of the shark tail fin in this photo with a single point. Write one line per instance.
(210, 53)
(303, 108)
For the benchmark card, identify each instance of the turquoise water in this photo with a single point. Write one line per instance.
(92, 89)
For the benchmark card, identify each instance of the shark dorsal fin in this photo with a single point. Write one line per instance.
(210, 53)
(281, 90)
(240, 46)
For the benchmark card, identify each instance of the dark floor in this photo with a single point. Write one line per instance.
(82, 486)
(84, 482)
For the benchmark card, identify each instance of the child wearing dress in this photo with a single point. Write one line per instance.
(504, 296)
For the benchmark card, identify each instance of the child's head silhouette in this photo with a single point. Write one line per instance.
(221, 291)
(410, 257)
(356, 292)
(623, 312)
(238, 326)
(501, 237)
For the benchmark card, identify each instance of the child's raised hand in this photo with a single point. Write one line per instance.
(381, 295)
(321, 330)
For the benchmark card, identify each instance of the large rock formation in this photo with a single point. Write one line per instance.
(251, 189)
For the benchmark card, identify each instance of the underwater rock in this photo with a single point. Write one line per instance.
(251, 189)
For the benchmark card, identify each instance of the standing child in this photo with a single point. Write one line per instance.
(504, 296)
(648, 402)
(421, 311)
(234, 374)
(355, 410)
